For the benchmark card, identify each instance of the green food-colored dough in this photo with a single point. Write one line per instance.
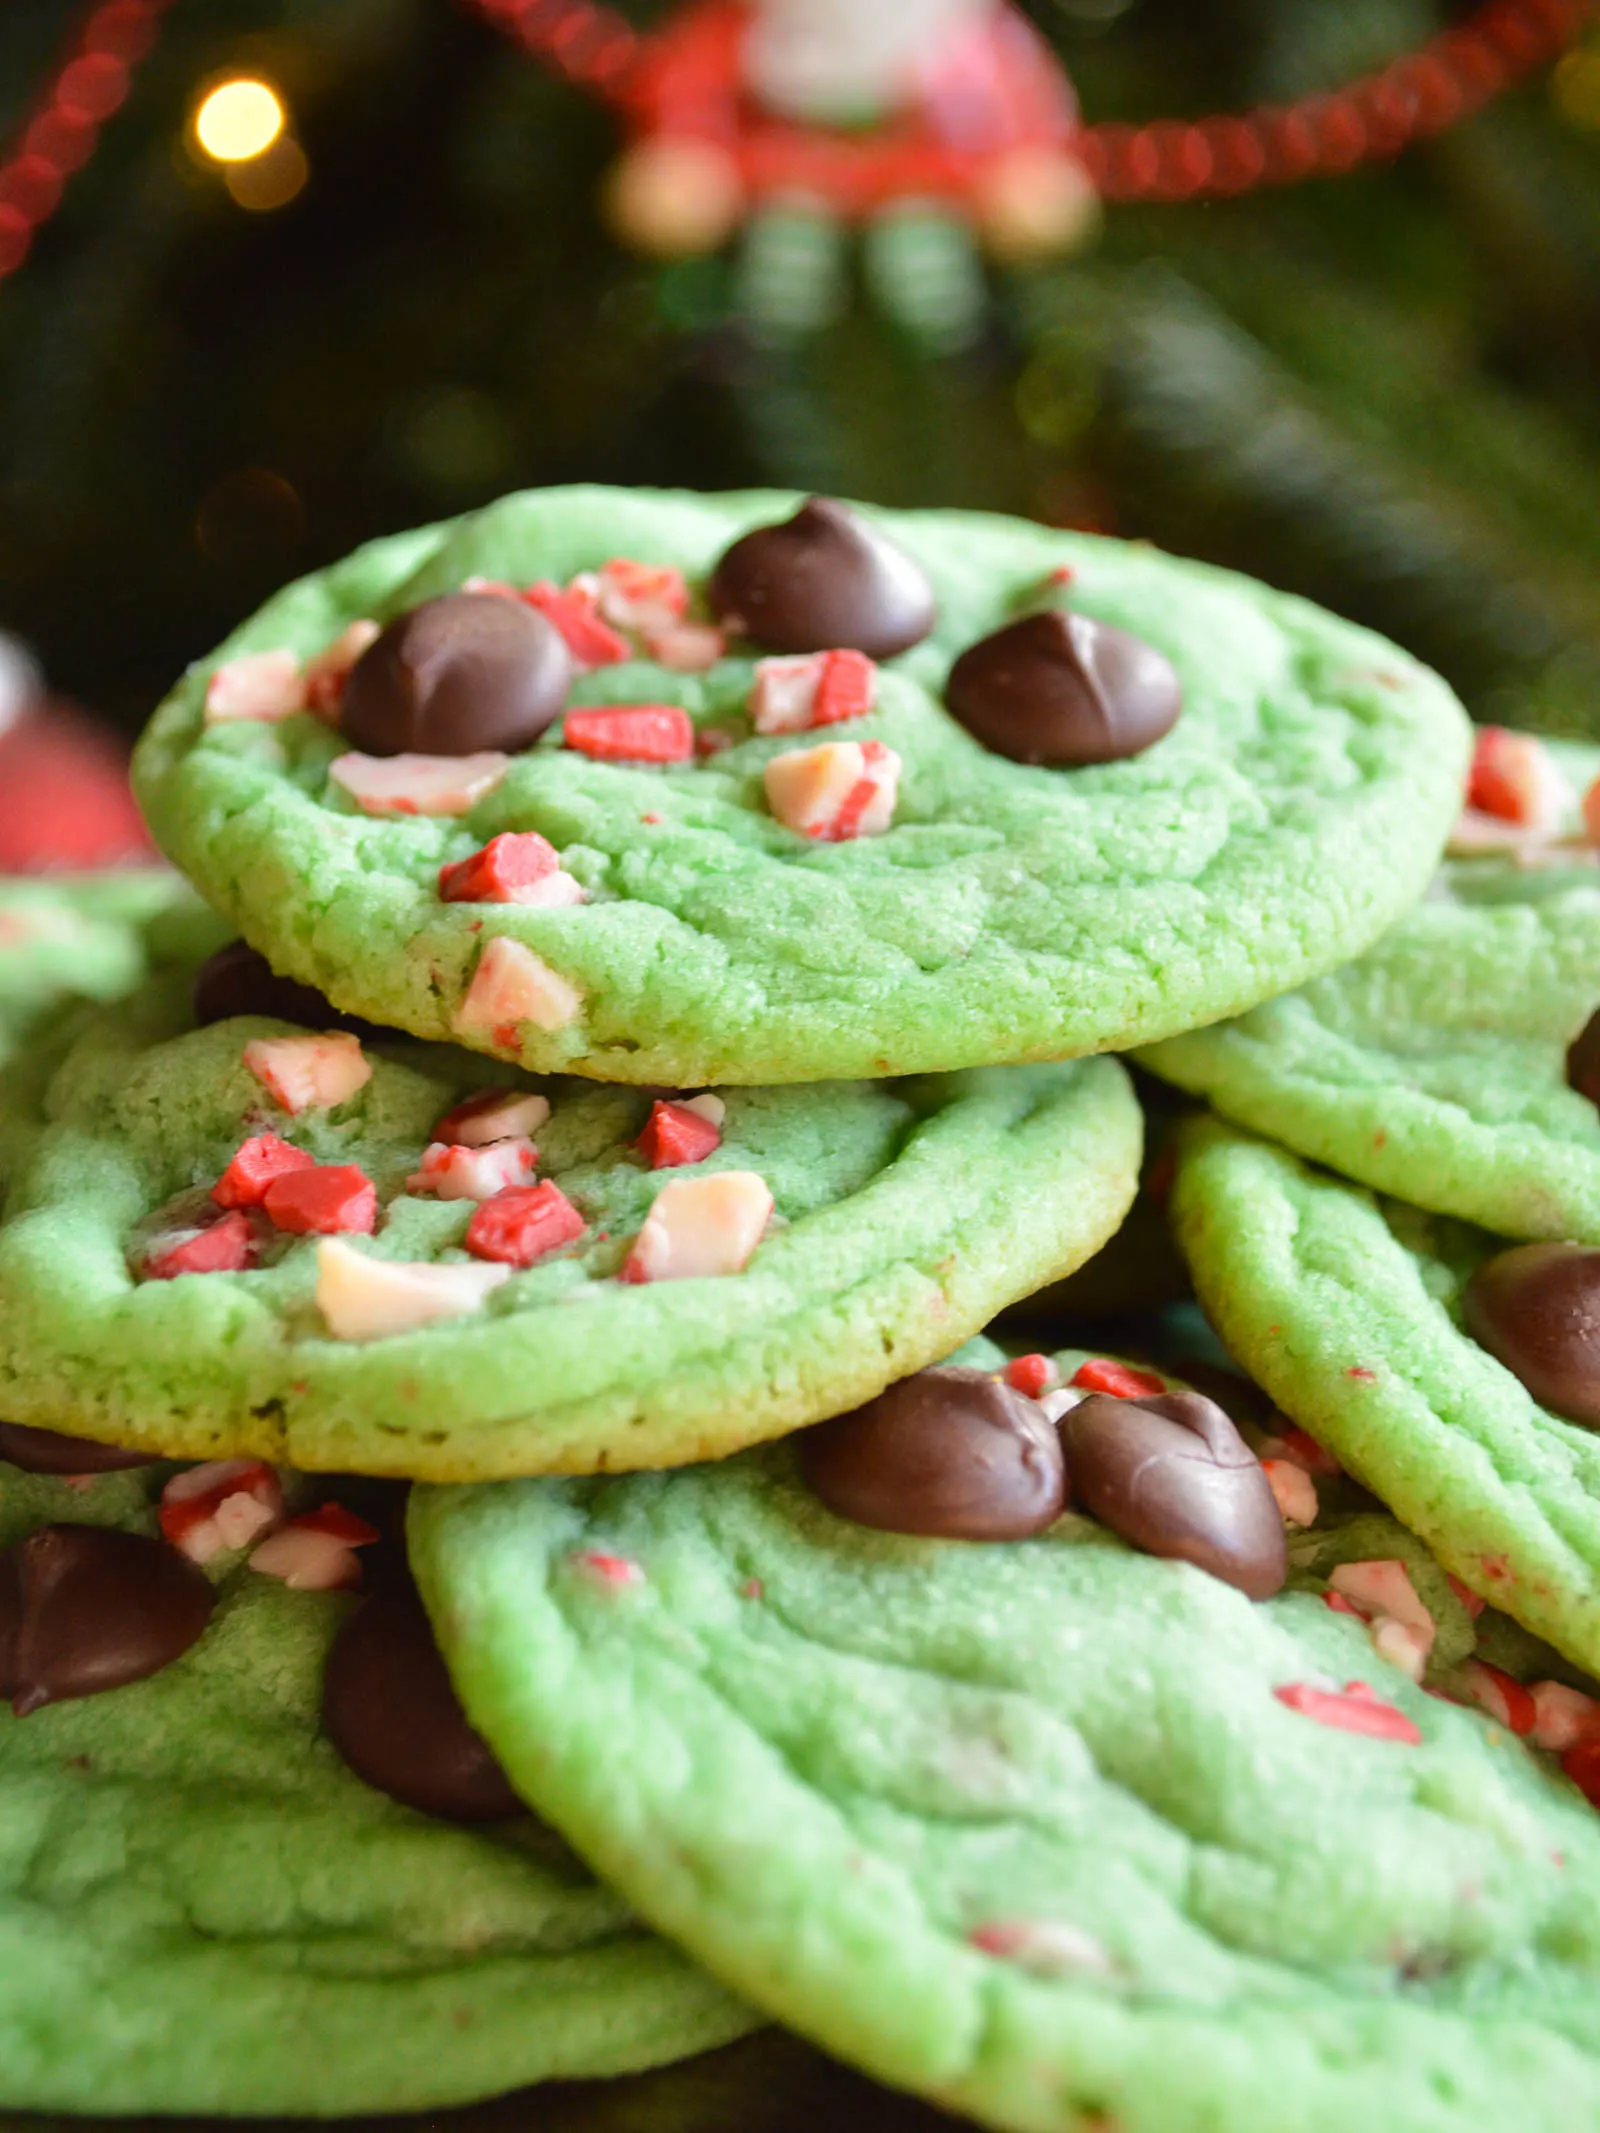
(1434, 1068)
(203, 1910)
(825, 1759)
(910, 1213)
(1348, 1311)
(1011, 913)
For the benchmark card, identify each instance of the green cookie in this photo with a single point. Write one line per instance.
(77, 939)
(1010, 912)
(906, 1215)
(1348, 1310)
(1025, 1828)
(1435, 1067)
(203, 1910)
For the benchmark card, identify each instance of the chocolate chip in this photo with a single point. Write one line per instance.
(1064, 690)
(45, 1451)
(949, 1452)
(389, 1709)
(823, 581)
(1172, 1475)
(239, 981)
(1583, 1060)
(86, 1608)
(469, 671)
(1536, 1309)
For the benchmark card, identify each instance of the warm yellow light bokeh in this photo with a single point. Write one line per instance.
(239, 120)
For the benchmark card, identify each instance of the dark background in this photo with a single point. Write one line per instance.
(1383, 390)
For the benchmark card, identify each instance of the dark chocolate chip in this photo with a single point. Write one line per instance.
(1064, 690)
(45, 1451)
(86, 1608)
(1583, 1060)
(239, 981)
(950, 1452)
(1172, 1475)
(455, 675)
(823, 581)
(389, 1709)
(1536, 1309)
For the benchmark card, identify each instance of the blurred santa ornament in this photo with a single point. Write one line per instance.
(932, 128)
(65, 806)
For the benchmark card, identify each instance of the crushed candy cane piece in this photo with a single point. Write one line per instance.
(254, 1166)
(675, 1134)
(835, 792)
(523, 1225)
(812, 689)
(641, 596)
(225, 1247)
(1561, 1716)
(706, 1106)
(495, 1115)
(257, 685)
(1293, 1490)
(614, 1570)
(1501, 1695)
(325, 1201)
(510, 985)
(1514, 778)
(1473, 1602)
(399, 786)
(1031, 1374)
(365, 1299)
(700, 1227)
(317, 1553)
(327, 673)
(1101, 1374)
(517, 867)
(1339, 1605)
(1301, 1451)
(452, 1171)
(1356, 1710)
(1401, 1645)
(224, 1504)
(686, 647)
(1048, 1947)
(309, 1073)
(1581, 1763)
(631, 733)
(1384, 1588)
(576, 614)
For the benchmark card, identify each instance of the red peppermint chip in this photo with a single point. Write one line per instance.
(1357, 1710)
(323, 1201)
(676, 1135)
(632, 733)
(523, 1225)
(576, 614)
(846, 687)
(1101, 1374)
(506, 864)
(226, 1247)
(1030, 1374)
(1582, 1765)
(244, 1183)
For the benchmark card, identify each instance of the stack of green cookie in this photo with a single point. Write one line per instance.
(681, 945)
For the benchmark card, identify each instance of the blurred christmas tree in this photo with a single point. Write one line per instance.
(1380, 389)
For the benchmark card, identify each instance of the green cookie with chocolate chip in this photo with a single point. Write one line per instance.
(204, 1910)
(1443, 1065)
(1054, 1833)
(732, 797)
(345, 1253)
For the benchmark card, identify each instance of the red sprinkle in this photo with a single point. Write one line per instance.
(325, 1201)
(512, 861)
(610, 1569)
(244, 1183)
(521, 1225)
(1358, 1710)
(1362, 1374)
(632, 733)
(1100, 1374)
(1030, 1374)
(227, 1247)
(675, 1135)
(845, 688)
(1473, 1602)
(591, 642)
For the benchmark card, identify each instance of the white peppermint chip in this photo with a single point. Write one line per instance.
(405, 785)
(257, 685)
(512, 985)
(309, 1073)
(453, 1171)
(365, 1299)
(702, 1226)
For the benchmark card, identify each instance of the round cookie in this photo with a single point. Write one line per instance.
(656, 1319)
(1010, 910)
(1436, 1067)
(81, 939)
(1349, 1310)
(1055, 1834)
(203, 1910)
